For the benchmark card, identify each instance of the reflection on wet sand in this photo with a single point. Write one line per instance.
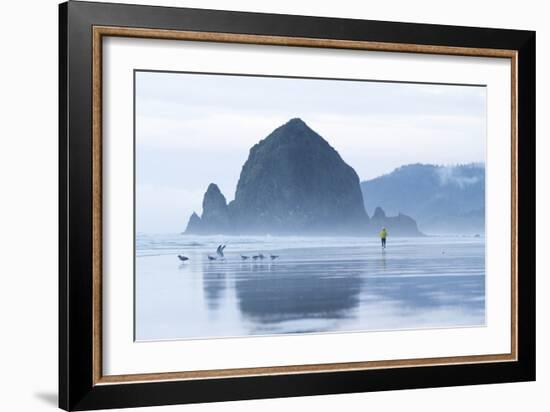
(214, 284)
(283, 292)
(310, 290)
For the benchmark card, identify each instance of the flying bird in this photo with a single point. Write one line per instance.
(183, 258)
(220, 249)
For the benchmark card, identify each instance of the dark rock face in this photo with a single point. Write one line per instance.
(214, 207)
(214, 217)
(194, 224)
(295, 182)
(379, 214)
(400, 225)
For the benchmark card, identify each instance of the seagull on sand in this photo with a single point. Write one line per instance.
(273, 257)
(211, 257)
(183, 258)
(243, 257)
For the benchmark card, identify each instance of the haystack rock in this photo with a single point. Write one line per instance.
(293, 182)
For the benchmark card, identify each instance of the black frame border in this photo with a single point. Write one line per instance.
(76, 387)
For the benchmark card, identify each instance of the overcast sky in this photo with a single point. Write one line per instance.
(194, 129)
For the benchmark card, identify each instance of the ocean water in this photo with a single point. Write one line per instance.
(316, 285)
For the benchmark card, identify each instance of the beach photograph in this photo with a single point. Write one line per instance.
(282, 205)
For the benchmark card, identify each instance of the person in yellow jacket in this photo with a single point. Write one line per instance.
(383, 235)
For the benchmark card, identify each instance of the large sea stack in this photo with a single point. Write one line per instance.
(293, 182)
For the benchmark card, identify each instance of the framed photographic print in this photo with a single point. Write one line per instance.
(256, 205)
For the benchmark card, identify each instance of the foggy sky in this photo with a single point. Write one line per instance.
(194, 129)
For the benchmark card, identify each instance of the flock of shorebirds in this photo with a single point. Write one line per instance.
(220, 255)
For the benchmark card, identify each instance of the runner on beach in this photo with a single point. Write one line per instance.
(383, 234)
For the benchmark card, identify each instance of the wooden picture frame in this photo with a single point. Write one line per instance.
(83, 26)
